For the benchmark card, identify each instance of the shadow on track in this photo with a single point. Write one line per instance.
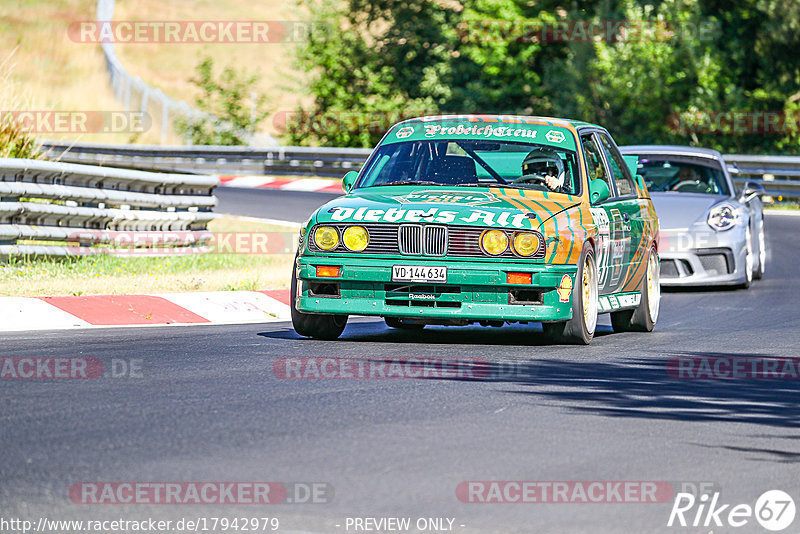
(711, 290)
(643, 388)
(640, 387)
(377, 332)
(766, 455)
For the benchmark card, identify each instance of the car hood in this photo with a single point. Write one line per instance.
(494, 207)
(680, 210)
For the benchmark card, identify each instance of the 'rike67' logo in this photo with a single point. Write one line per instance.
(774, 510)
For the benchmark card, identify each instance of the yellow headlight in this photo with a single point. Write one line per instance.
(494, 242)
(326, 237)
(356, 238)
(525, 244)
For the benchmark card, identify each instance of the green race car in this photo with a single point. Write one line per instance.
(454, 220)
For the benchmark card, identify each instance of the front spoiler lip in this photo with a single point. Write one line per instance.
(476, 311)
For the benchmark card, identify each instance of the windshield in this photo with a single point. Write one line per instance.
(470, 163)
(682, 175)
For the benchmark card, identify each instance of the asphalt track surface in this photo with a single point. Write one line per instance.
(209, 407)
(293, 206)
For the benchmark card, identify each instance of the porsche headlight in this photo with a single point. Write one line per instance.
(356, 238)
(723, 217)
(526, 244)
(494, 242)
(326, 237)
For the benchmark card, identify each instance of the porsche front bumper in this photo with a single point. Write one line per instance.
(703, 258)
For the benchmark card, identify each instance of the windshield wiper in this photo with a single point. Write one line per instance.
(493, 184)
(427, 182)
(526, 187)
(408, 182)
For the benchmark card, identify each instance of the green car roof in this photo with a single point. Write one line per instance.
(509, 128)
(499, 118)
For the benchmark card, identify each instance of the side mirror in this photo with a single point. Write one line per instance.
(348, 181)
(751, 191)
(598, 191)
(633, 166)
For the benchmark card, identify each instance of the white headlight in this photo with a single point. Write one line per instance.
(723, 217)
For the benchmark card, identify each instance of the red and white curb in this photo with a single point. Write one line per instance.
(320, 185)
(219, 307)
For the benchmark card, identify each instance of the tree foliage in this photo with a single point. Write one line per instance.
(706, 59)
(230, 115)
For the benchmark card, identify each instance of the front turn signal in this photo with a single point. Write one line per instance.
(328, 271)
(519, 278)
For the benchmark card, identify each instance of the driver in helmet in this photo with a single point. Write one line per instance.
(543, 165)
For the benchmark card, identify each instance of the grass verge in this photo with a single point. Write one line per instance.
(787, 206)
(128, 274)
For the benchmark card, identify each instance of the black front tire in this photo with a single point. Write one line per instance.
(328, 327)
(762, 253)
(575, 331)
(749, 270)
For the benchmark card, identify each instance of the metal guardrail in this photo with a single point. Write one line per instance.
(303, 161)
(780, 175)
(42, 202)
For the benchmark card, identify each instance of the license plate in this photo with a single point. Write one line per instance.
(418, 273)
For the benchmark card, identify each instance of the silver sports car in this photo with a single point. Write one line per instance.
(710, 234)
